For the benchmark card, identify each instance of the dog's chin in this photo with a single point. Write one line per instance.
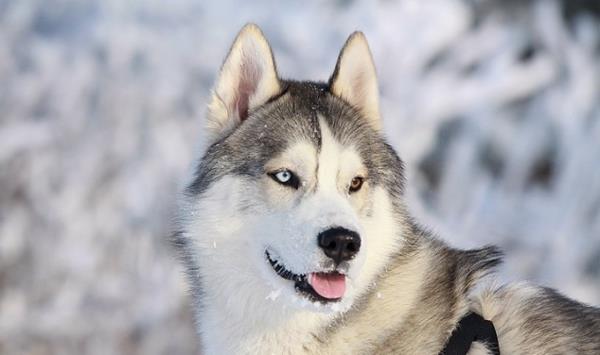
(317, 291)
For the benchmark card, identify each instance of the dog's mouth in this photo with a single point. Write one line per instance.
(323, 287)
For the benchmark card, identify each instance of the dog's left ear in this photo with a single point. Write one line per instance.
(354, 78)
(248, 79)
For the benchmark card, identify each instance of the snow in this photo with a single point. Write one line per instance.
(273, 295)
(496, 112)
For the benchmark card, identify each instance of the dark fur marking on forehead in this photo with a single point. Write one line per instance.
(290, 116)
(269, 129)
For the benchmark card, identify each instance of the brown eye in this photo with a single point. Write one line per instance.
(356, 184)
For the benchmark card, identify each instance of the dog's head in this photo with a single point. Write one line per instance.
(296, 200)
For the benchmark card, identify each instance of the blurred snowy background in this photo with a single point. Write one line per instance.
(495, 106)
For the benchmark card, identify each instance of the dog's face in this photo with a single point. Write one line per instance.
(295, 200)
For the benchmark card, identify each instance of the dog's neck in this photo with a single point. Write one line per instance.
(228, 328)
(248, 324)
(415, 306)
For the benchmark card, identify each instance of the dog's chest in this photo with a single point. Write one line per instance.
(288, 342)
(231, 335)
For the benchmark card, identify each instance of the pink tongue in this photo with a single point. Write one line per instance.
(330, 285)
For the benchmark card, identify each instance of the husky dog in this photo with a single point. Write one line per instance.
(297, 240)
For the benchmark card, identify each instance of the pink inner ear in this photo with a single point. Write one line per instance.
(359, 86)
(250, 74)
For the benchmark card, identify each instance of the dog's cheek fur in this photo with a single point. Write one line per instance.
(226, 245)
(381, 237)
(276, 197)
(221, 226)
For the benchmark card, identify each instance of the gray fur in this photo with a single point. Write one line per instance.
(529, 320)
(289, 116)
(264, 134)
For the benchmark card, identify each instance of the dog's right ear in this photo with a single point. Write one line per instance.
(248, 79)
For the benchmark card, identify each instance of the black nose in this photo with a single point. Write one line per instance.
(340, 244)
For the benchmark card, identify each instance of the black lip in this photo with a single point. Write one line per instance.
(300, 282)
(283, 272)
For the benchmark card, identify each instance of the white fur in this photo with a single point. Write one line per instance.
(247, 308)
(478, 348)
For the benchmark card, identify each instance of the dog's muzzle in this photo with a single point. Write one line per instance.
(323, 287)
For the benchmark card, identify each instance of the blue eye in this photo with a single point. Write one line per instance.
(286, 177)
(283, 176)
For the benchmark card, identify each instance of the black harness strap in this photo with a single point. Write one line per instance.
(471, 328)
